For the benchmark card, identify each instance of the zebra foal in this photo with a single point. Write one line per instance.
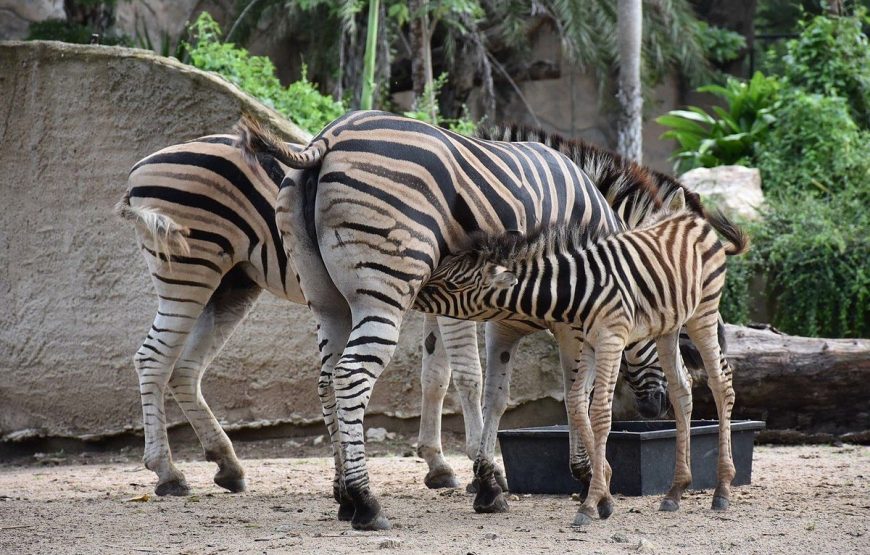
(639, 284)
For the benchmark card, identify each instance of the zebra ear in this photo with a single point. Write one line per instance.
(678, 201)
(501, 278)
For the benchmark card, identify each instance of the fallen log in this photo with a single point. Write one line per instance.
(812, 385)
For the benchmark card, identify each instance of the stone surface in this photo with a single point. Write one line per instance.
(162, 18)
(734, 189)
(75, 295)
(16, 16)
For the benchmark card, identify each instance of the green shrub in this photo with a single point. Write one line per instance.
(255, 75)
(720, 45)
(815, 147)
(728, 137)
(831, 57)
(816, 255)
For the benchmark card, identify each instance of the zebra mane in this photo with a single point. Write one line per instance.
(510, 246)
(634, 191)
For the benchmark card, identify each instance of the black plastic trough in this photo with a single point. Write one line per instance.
(641, 454)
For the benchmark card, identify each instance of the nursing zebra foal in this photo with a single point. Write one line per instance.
(383, 199)
(206, 226)
(629, 286)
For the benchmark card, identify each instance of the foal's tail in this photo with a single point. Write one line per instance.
(732, 233)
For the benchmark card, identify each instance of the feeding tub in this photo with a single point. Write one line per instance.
(641, 454)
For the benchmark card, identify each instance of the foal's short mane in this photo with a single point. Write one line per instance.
(620, 180)
(511, 245)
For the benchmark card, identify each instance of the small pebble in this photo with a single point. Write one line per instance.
(490, 536)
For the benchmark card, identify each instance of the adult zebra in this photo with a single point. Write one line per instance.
(384, 199)
(206, 227)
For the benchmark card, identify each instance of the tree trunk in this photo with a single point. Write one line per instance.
(421, 54)
(808, 384)
(629, 139)
(370, 55)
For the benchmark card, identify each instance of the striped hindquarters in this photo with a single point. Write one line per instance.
(205, 211)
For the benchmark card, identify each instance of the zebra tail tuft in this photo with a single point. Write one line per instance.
(255, 138)
(731, 232)
(165, 232)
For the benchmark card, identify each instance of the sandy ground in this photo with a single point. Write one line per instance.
(810, 499)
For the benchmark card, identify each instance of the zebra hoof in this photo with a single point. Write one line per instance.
(439, 478)
(177, 488)
(234, 484)
(582, 519)
(669, 505)
(345, 511)
(379, 522)
(720, 503)
(486, 503)
(605, 509)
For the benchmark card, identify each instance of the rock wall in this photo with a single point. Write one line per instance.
(16, 16)
(75, 299)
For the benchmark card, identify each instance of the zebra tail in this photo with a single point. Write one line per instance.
(167, 234)
(255, 138)
(732, 233)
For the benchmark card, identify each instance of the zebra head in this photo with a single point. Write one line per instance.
(465, 286)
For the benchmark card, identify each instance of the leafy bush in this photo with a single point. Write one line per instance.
(728, 137)
(301, 101)
(832, 57)
(816, 255)
(721, 45)
(815, 147)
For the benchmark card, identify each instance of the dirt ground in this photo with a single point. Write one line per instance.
(807, 499)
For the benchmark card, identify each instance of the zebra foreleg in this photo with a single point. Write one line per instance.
(434, 379)
(608, 354)
(460, 342)
(501, 347)
(570, 356)
(680, 392)
(228, 306)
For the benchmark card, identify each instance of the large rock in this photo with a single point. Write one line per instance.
(75, 297)
(16, 16)
(734, 189)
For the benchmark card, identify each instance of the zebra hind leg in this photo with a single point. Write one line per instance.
(177, 314)
(680, 391)
(434, 379)
(228, 306)
(703, 332)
